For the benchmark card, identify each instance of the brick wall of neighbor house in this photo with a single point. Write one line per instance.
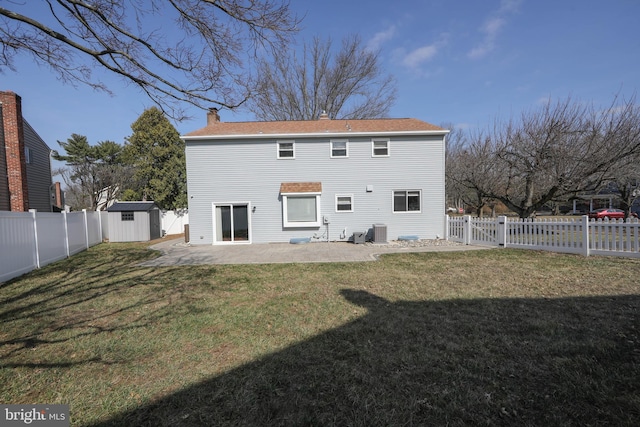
(13, 134)
(5, 203)
(26, 179)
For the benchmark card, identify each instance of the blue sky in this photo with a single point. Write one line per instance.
(465, 62)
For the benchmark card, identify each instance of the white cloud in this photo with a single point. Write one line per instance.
(492, 28)
(420, 55)
(381, 37)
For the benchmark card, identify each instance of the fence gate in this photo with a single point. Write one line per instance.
(482, 231)
(473, 231)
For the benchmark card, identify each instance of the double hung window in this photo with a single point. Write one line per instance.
(406, 201)
(344, 203)
(286, 150)
(380, 148)
(339, 148)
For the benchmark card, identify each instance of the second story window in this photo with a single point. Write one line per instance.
(28, 155)
(286, 150)
(339, 149)
(380, 148)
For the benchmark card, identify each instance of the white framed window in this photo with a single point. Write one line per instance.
(407, 201)
(301, 210)
(380, 148)
(344, 202)
(286, 150)
(28, 155)
(339, 148)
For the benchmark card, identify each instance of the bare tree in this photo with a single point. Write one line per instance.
(201, 65)
(470, 171)
(347, 85)
(556, 152)
(625, 182)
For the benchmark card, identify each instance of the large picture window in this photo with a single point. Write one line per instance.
(301, 210)
(406, 201)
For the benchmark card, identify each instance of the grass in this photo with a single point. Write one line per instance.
(496, 337)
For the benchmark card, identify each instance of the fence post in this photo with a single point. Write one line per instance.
(66, 233)
(467, 230)
(502, 231)
(585, 235)
(100, 223)
(35, 237)
(86, 229)
(446, 227)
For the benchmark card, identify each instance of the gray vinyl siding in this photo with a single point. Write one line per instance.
(137, 230)
(38, 171)
(249, 171)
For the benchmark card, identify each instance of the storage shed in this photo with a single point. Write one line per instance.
(134, 222)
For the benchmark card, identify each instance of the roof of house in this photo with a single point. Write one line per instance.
(218, 129)
(132, 206)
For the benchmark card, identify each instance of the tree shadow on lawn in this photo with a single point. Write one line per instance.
(571, 361)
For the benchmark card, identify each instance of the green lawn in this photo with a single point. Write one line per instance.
(496, 337)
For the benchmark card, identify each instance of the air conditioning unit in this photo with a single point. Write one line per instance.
(358, 237)
(379, 233)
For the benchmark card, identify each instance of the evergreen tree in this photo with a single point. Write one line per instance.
(94, 173)
(156, 153)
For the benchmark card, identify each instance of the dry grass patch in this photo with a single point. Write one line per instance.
(500, 337)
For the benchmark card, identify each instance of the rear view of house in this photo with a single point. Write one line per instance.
(25, 165)
(319, 180)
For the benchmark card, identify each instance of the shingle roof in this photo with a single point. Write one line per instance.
(300, 187)
(132, 206)
(314, 127)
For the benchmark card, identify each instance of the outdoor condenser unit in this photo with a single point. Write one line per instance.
(379, 233)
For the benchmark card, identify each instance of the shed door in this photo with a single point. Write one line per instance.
(232, 223)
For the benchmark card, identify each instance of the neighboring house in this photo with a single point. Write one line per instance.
(107, 197)
(323, 180)
(25, 165)
(133, 222)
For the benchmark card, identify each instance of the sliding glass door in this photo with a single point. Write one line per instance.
(232, 222)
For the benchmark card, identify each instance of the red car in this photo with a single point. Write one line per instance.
(608, 213)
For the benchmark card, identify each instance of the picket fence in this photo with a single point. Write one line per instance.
(569, 235)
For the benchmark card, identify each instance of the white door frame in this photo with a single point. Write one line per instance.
(214, 205)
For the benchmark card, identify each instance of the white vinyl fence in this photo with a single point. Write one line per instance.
(570, 235)
(30, 240)
(173, 222)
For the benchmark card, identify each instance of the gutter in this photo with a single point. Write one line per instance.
(313, 135)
